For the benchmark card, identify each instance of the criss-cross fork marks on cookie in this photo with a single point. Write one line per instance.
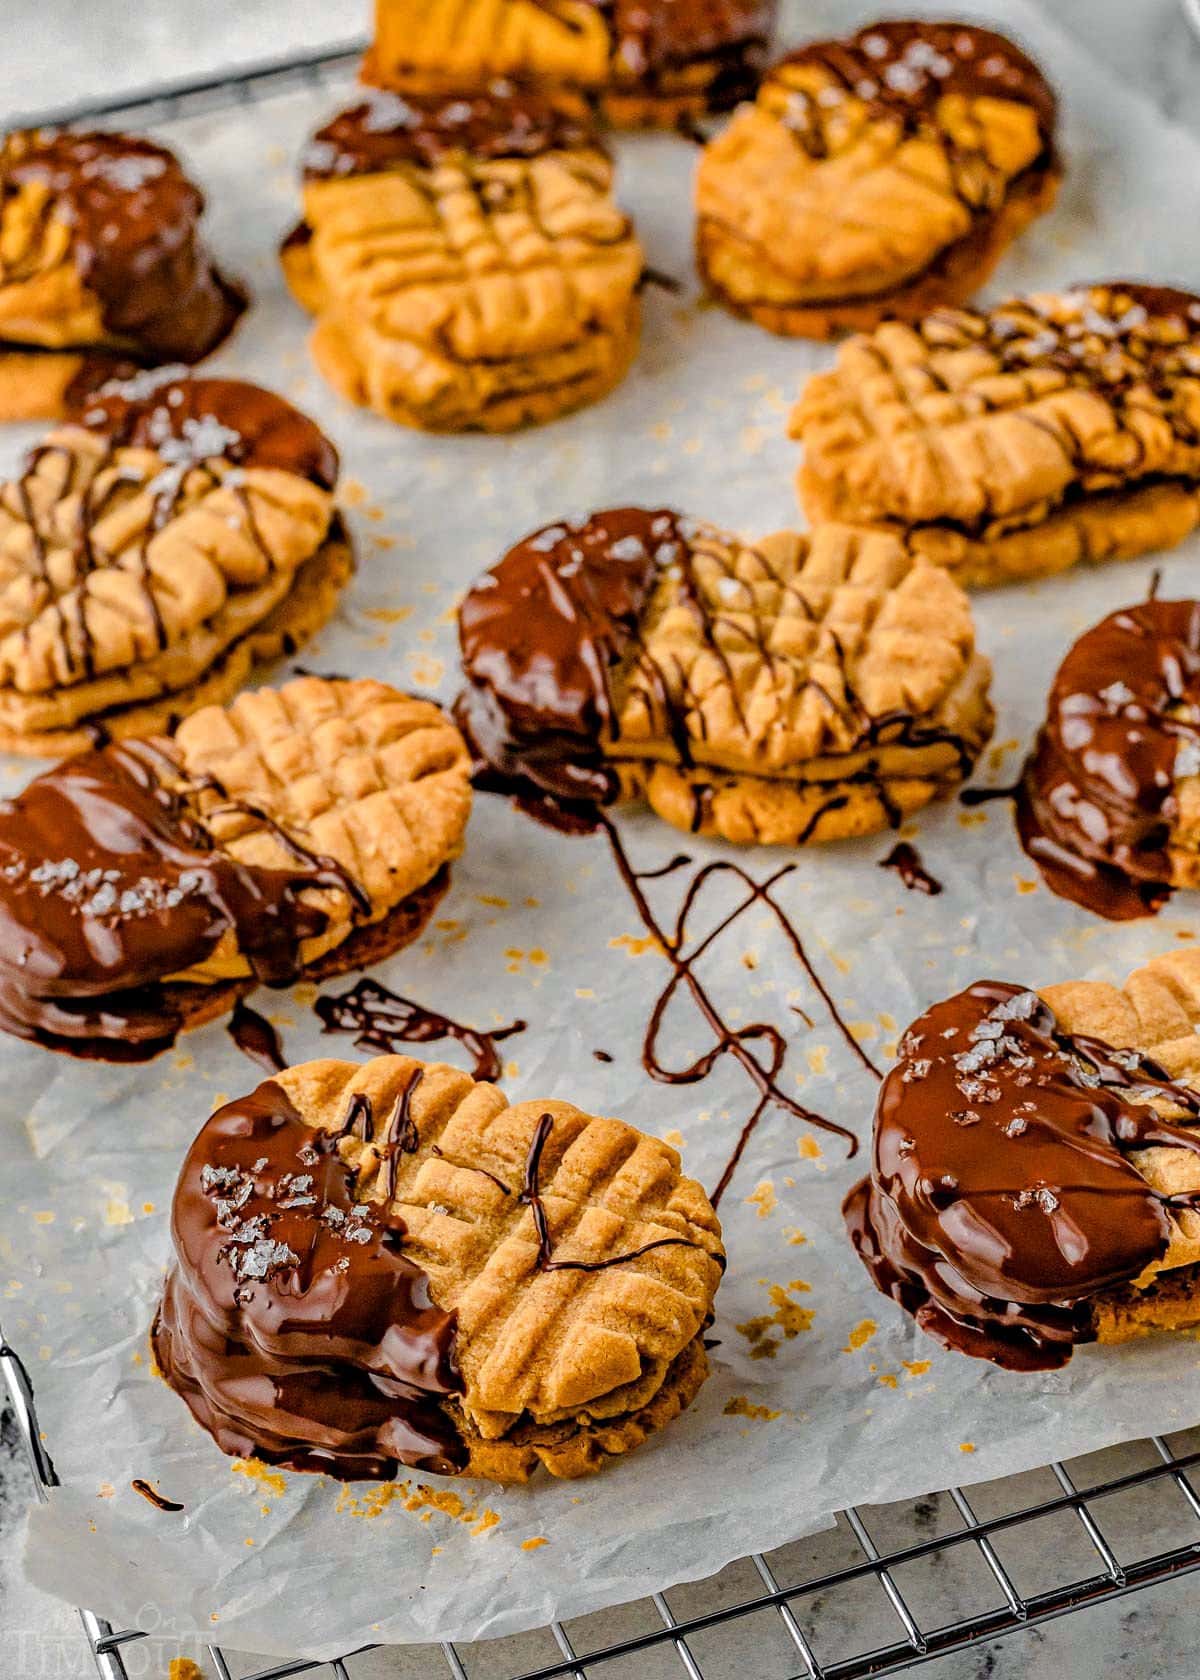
(460, 288)
(304, 831)
(153, 552)
(1015, 442)
(576, 1265)
(793, 689)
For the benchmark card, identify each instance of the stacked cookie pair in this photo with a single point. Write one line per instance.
(102, 268)
(465, 260)
(642, 63)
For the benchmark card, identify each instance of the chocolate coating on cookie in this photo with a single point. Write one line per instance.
(229, 418)
(1098, 797)
(1001, 1201)
(294, 1325)
(134, 219)
(650, 36)
(109, 884)
(386, 129)
(903, 68)
(541, 635)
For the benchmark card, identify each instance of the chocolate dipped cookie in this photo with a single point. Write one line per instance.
(154, 551)
(789, 690)
(465, 260)
(875, 177)
(1035, 1179)
(385, 1264)
(147, 885)
(1108, 804)
(647, 63)
(1016, 441)
(102, 268)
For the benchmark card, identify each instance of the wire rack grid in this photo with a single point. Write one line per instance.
(871, 1575)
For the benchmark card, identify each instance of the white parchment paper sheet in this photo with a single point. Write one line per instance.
(848, 1403)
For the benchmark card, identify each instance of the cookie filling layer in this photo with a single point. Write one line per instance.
(110, 883)
(1097, 800)
(546, 635)
(134, 219)
(294, 1325)
(1001, 1203)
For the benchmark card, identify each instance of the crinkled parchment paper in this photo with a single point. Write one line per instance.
(823, 1393)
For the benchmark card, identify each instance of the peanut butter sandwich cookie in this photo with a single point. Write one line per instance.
(1035, 1181)
(648, 63)
(778, 692)
(465, 260)
(154, 551)
(148, 885)
(1014, 442)
(1108, 805)
(875, 178)
(384, 1264)
(102, 267)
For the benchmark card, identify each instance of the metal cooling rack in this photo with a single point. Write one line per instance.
(887, 1574)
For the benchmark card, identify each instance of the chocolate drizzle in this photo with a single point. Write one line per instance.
(381, 1020)
(191, 424)
(255, 1037)
(1098, 797)
(530, 1196)
(110, 884)
(134, 219)
(906, 861)
(1001, 1199)
(152, 1496)
(386, 129)
(293, 1324)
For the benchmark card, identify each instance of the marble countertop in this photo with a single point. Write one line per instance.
(56, 52)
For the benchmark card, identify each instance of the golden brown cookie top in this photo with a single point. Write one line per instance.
(255, 839)
(646, 634)
(128, 216)
(128, 530)
(974, 416)
(1026, 1159)
(541, 1263)
(385, 129)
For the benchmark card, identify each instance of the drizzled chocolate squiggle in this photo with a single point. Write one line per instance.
(381, 1019)
(1001, 1201)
